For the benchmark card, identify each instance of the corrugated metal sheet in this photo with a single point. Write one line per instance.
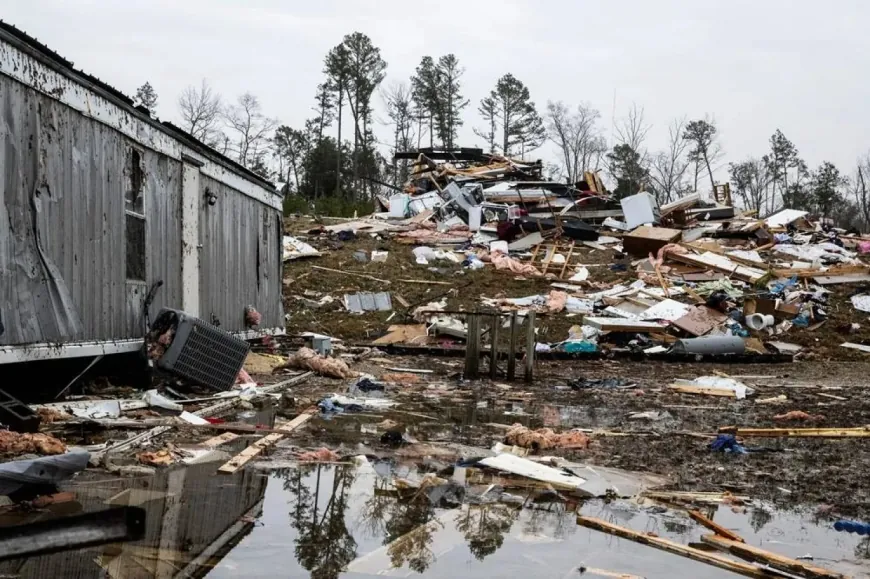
(63, 180)
(368, 302)
(240, 259)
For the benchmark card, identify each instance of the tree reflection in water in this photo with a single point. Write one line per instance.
(556, 519)
(484, 526)
(324, 546)
(409, 531)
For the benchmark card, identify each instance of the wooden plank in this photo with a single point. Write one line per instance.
(676, 548)
(567, 260)
(698, 517)
(424, 282)
(495, 322)
(859, 432)
(854, 346)
(512, 349)
(744, 273)
(218, 440)
(830, 272)
(593, 572)
(620, 325)
(780, 562)
(537, 249)
(831, 396)
(345, 272)
(702, 390)
(841, 279)
(694, 497)
(531, 341)
(241, 459)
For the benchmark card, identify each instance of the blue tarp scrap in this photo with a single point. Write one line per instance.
(727, 443)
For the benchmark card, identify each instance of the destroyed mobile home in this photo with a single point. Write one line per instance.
(108, 212)
(174, 479)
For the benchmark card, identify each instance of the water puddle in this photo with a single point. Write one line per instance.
(325, 521)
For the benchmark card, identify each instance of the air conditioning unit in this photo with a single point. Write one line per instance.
(198, 351)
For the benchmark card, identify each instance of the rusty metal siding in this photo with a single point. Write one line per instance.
(240, 259)
(65, 146)
(62, 224)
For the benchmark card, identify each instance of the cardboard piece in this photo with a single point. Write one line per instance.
(700, 321)
(407, 334)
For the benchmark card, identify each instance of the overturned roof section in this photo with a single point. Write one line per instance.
(35, 49)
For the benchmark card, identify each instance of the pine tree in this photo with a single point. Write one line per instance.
(146, 97)
(365, 71)
(449, 99)
(424, 87)
(627, 169)
(510, 110)
(336, 69)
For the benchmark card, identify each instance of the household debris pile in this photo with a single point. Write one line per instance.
(687, 278)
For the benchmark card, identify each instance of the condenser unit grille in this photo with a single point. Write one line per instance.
(204, 354)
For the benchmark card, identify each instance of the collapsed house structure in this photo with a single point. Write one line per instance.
(106, 211)
(469, 187)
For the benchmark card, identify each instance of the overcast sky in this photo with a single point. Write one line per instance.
(755, 66)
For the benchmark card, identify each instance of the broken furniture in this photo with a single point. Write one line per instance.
(494, 323)
(647, 240)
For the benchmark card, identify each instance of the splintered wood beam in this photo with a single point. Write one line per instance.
(218, 440)
(677, 548)
(248, 454)
(567, 261)
(682, 389)
(780, 562)
(698, 517)
(859, 432)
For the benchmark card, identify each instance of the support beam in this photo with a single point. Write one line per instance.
(251, 452)
(472, 347)
(530, 345)
(780, 562)
(512, 349)
(744, 569)
(493, 350)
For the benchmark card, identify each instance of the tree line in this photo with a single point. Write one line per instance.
(321, 163)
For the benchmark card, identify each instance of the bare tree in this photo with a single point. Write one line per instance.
(668, 167)
(200, 110)
(859, 189)
(577, 136)
(632, 131)
(399, 99)
(251, 130)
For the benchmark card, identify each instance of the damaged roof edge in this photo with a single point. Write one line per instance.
(35, 49)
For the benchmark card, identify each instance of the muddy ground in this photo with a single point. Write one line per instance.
(825, 380)
(442, 409)
(465, 288)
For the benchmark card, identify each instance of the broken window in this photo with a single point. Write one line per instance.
(135, 241)
(135, 181)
